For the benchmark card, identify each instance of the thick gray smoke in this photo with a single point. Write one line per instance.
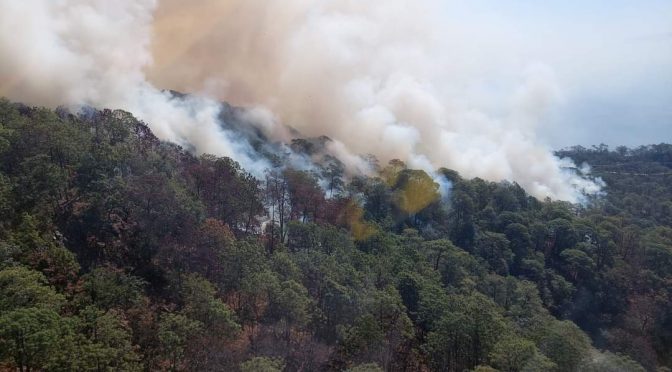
(386, 78)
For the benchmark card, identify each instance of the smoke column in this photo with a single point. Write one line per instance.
(386, 78)
(93, 52)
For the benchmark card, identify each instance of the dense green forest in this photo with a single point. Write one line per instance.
(119, 252)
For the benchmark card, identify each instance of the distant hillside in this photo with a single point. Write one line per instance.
(638, 181)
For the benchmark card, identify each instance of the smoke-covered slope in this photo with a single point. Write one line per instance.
(382, 80)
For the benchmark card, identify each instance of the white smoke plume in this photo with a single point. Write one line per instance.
(94, 52)
(383, 78)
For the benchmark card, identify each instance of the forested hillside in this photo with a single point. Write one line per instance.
(119, 252)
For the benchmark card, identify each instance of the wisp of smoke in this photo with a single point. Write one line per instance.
(381, 78)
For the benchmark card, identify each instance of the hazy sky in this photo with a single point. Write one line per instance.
(612, 60)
